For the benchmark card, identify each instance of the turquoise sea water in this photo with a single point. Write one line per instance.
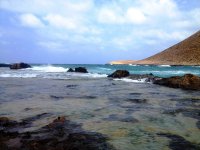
(96, 71)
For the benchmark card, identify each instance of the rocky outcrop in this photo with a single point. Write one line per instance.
(70, 70)
(148, 77)
(61, 134)
(4, 65)
(119, 74)
(81, 70)
(188, 82)
(20, 66)
(78, 69)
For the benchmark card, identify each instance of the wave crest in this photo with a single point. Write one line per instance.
(48, 68)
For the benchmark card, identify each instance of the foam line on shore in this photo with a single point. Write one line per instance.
(131, 80)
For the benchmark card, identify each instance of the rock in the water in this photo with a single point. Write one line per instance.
(119, 74)
(188, 82)
(70, 70)
(4, 65)
(81, 70)
(61, 134)
(179, 143)
(148, 77)
(20, 66)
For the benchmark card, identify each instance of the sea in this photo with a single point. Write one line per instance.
(96, 71)
(132, 114)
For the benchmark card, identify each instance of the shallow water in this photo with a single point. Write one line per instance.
(133, 115)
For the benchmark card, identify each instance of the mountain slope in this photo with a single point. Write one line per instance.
(186, 52)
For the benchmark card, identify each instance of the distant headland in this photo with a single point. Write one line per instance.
(187, 52)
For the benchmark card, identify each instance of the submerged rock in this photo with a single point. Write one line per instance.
(187, 82)
(61, 134)
(179, 143)
(81, 70)
(19, 66)
(7, 123)
(119, 74)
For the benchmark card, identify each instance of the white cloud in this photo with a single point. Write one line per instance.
(41, 7)
(124, 41)
(135, 15)
(60, 21)
(30, 20)
(114, 15)
(51, 45)
(156, 8)
(116, 23)
(108, 15)
(195, 14)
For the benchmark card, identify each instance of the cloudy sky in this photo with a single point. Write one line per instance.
(92, 31)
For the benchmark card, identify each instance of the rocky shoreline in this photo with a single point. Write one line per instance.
(186, 82)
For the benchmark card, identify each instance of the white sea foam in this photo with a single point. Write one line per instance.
(131, 80)
(133, 65)
(97, 75)
(87, 75)
(48, 68)
(102, 68)
(26, 75)
(166, 72)
(164, 66)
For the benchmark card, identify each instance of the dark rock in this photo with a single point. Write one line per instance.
(137, 100)
(72, 86)
(20, 66)
(193, 113)
(28, 109)
(179, 143)
(4, 65)
(28, 121)
(61, 134)
(173, 111)
(6, 122)
(88, 97)
(70, 70)
(135, 94)
(148, 77)
(121, 118)
(81, 70)
(56, 97)
(187, 82)
(198, 124)
(119, 74)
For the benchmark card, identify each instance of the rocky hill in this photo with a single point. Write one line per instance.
(186, 52)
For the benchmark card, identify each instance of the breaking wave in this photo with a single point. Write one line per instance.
(48, 68)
